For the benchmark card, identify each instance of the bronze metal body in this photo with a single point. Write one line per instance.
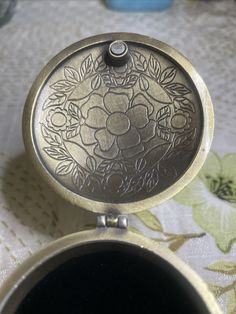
(115, 123)
(58, 252)
(127, 136)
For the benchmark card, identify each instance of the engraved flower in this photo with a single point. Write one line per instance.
(212, 196)
(120, 126)
(171, 120)
(58, 119)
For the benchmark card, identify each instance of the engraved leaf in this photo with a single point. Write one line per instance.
(105, 166)
(86, 67)
(99, 64)
(77, 152)
(163, 113)
(177, 89)
(163, 133)
(64, 167)
(81, 91)
(72, 130)
(158, 93)
(130, 81)
(185, 103)
(143, 83)
(71, 74)
(50, 137)
(154, 155)
(123, 166)
(139, 61)
(96, 82)
(138, 185)
(223, 267)
(168, 75)
(154, 67)
(91, 163)
(74, 111)
(176, 244)
(109, 81)
(150, 220)
(55, 99)
(78, 177)
(140, 164)
(88, 182)
(109, 165)
(186, 139)
(57, 153)
(75, 176)
(93, 183)
(162, 130)
(63, 86)
(126, 165)
(151, 180)
(57, 95)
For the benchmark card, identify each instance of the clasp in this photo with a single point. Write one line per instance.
(118, 53)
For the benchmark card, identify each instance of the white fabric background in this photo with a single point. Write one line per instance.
(30, 214)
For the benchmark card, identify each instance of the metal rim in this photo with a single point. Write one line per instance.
(131, 207)
(14, 289)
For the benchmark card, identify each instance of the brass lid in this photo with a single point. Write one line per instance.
(118, 121)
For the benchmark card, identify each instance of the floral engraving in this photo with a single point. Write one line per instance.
(58, 119)
(113, 131)
(120, 130)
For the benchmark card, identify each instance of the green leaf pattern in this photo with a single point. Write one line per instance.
(211, 199)
(212, 196)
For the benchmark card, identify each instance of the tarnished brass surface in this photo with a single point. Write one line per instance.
(110, 135)
(58, 252)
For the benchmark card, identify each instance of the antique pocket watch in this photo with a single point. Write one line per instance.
(116, 123)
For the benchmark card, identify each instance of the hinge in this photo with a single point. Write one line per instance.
(112, 221)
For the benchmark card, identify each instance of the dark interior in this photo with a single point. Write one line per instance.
(115, 279)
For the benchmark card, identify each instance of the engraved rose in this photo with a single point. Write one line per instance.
(114, 131)
(120, 126)
(58, 119)
(171, 120)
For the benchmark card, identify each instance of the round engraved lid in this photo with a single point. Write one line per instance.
(118, 121)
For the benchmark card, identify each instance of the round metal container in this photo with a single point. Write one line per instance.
(115, 123)
(171, 287)
(125, 134)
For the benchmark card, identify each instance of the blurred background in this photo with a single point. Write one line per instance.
(31, 33)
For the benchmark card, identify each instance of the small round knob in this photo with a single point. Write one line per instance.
(118, 51)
